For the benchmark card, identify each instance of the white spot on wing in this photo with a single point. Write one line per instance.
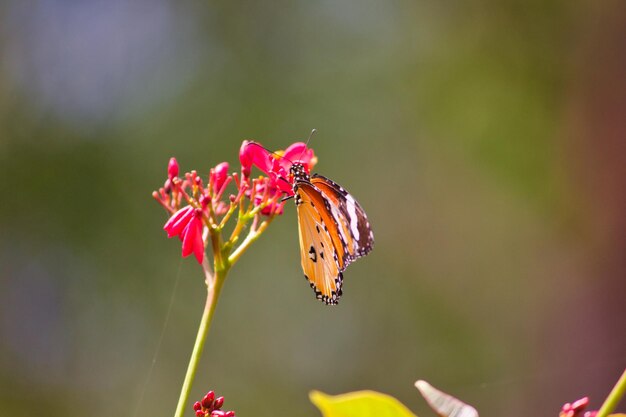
(354, 219)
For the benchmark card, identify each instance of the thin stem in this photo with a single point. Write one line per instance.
(614, 397)
(241, 222)
(214, 286)
(250, 238)
(226, 217)
(208, 274)
(216, 238)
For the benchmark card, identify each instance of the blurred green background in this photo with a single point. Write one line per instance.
(486, 140)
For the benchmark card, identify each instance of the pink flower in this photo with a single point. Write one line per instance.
(276, 164)
(186, 223)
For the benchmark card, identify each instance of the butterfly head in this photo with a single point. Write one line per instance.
(299, 172)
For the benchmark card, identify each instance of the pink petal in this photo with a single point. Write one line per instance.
(244, 156)
(252, 153)
(280, 167)
(298, 152)
(188, 236)
(198, 247)
(176, 224)
(295, 151)
(260, 157)
(276, 208)
(279, 178)
(220, 173)
(281, 184)
(192, 241)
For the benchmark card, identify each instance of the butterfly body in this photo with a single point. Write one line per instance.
(333, 231)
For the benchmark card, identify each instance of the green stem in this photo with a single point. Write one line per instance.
(614, 397)
(214, 286)
(249, 239)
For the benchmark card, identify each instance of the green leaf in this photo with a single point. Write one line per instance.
(359, 404)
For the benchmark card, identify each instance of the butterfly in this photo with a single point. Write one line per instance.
(333, 230)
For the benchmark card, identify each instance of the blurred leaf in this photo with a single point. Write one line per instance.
(445, 405)
(359, 404)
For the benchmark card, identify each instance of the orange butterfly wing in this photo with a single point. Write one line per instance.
(333, 230)
(348, 213)
(321, 262)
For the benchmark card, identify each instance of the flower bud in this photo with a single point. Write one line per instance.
(210, 395)
(207, 401)
(172, 168)
(167, 187)
(204, 201)
(197, 406)
(218, 413)
(219, 402)
(219, 174)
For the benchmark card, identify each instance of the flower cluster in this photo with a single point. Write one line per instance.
(211, 407)
(199, 210)
(576, 408)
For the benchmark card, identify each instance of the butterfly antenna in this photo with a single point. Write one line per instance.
(275, 154)
(306, 144)
(313, 131)
(272, 152)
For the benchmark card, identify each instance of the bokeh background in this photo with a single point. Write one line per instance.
(486, 139)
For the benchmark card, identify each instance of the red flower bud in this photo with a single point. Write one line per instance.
(210, 395)
(207, 401)
(218, 413)
(172, 168)
(200, 413)
(219, 402)
(197, 406)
